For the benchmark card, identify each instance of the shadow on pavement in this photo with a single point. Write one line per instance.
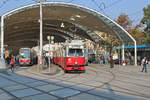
(60, 90)
(5, 72)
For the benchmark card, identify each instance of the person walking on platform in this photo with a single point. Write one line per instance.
(12, 63)
(47, 61)
(144, 64)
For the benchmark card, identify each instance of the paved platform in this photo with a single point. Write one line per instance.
(99, 82)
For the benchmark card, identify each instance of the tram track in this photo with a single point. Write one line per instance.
(139, 94)
(48, 77)
(131, 92)
(126, 77)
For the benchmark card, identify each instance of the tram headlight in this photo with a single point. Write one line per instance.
(69, 60)
(76, 63)
(81, 46)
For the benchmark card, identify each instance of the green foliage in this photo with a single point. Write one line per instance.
(147, 38)
(146, 21)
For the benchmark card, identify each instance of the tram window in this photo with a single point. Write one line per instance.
(79, 52)
(75, 52)
(27, 54)
(71, 52)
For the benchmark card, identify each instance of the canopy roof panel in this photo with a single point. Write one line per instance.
(22, 24)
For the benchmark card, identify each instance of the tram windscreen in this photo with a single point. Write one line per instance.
(75, 52)
(25, 53)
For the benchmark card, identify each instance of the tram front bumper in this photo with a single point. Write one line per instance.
(75, 67)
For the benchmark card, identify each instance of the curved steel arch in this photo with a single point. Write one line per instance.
(110, 24)
(105, 19)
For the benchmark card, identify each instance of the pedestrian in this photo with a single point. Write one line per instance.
(111, 62)
(12, 64)
(101, 59)
(144, 64)
(7, 60)
(47, 61)
(100, 62)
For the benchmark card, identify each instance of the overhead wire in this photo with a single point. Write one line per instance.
(135, 13)
(3, 3)
(112, 4)
(102, 4)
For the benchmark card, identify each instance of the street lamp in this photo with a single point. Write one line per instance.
(48, 38)
(51, 40)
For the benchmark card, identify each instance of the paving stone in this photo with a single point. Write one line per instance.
(63, 84)
(81, 87)
(40, 97)
(18, 78)
(85, 96)
(108, 93)
(6, 83)
(24, 80)
(65, 92)
(38, 83)
(48, 87)
(15, 87)
(1, 91)
(25, 92)
(93, 83)
(102, 92)
(6, 96)
(53, 81)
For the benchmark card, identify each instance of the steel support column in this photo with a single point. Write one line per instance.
(2, 37)
(41, 33)
(135, 54)
(87, 49)
(123, 54)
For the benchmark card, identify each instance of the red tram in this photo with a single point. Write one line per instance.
(70, 56)
(26, 56)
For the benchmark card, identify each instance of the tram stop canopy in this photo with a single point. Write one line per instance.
(21, 27)
(62, 20)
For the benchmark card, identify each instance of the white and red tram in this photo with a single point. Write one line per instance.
(70, 56)
(26, 56)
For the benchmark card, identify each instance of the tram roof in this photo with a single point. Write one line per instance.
(22, 27)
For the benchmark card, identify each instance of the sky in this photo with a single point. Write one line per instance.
(110, 8)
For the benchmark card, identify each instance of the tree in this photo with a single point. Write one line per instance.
(124, 21)
(137, 33)
(146, 21)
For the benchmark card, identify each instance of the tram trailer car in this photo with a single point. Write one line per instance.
(70, 56)
(27, 56)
